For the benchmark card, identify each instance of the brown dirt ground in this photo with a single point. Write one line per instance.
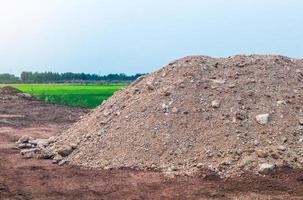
(40, 179)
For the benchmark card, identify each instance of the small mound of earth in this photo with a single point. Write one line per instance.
(8, 90)
(227, 115)
(18, 109)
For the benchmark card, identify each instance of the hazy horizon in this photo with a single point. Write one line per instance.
(102, 37)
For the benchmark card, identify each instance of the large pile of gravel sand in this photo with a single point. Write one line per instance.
(227, 115)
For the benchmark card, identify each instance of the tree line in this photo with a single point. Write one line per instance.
(8, 78)
(69, 77)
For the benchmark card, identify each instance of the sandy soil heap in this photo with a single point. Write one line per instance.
(227, 115)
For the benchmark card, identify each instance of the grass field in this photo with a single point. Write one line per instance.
(88, 96)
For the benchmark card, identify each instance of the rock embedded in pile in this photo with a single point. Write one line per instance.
(216, 103)
(174, 110)
(28, 153)
(261, 153)
(266, 168)
(262, 118)
(65, 150)
(173, 120)
(24, 139)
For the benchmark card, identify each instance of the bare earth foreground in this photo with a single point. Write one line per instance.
(40, 179)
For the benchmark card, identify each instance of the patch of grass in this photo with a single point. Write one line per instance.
(87, 96)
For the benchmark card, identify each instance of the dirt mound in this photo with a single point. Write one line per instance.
(18, 109)
(227, 115)
(8, 90)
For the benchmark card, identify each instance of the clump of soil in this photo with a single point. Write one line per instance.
(226, 115)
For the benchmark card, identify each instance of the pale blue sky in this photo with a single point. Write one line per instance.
(113, 36)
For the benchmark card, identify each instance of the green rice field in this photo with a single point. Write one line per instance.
(87, 96)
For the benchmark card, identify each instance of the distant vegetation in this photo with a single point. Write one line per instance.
(87, 96)
(8, 78)
(51, 77)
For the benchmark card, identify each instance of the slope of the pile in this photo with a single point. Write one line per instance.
(198, 112)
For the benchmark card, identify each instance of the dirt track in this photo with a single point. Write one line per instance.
(40, 179)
